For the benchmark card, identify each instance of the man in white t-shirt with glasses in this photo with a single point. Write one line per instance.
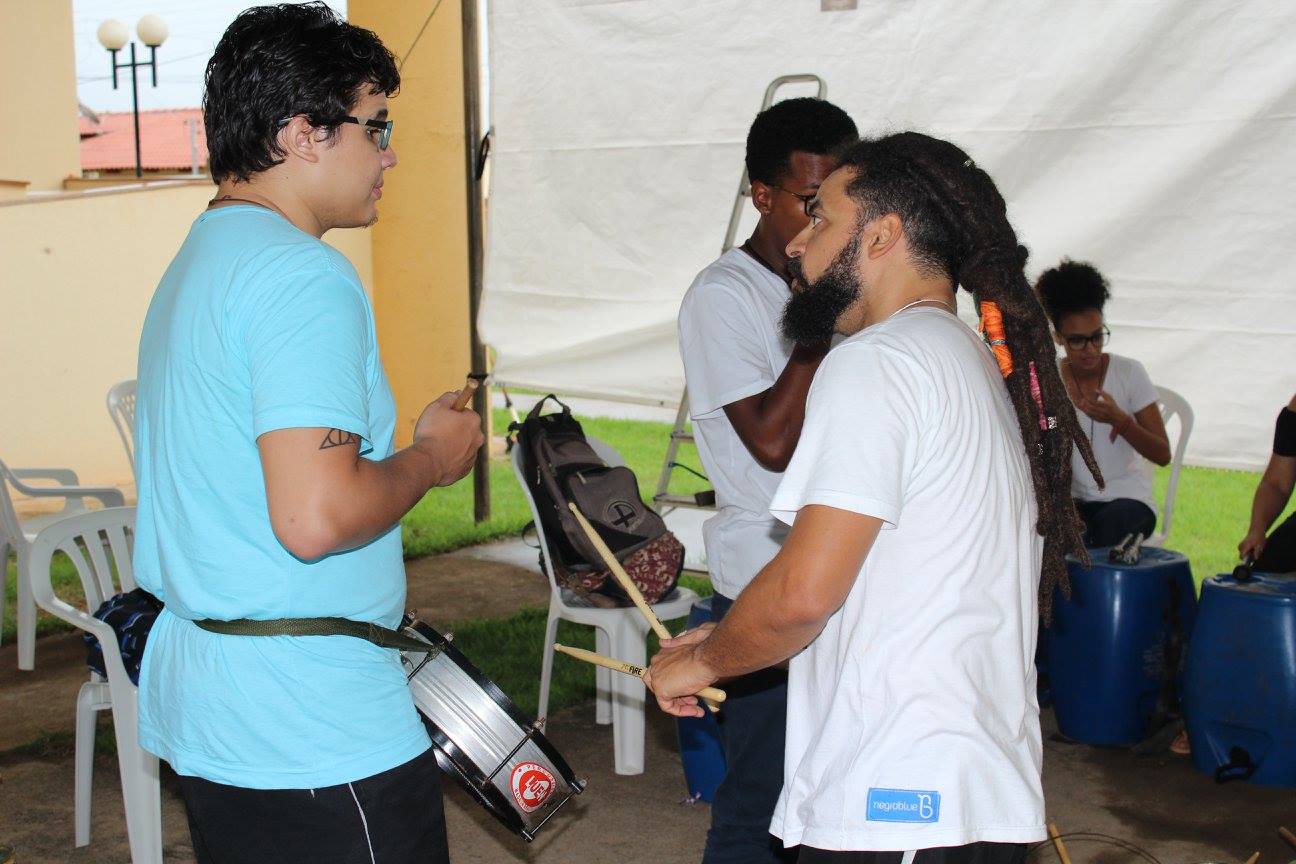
(747, 385)
(929, 499)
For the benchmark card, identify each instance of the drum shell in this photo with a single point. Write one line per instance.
(484, 737)
(1240, 686)
(1106, 644)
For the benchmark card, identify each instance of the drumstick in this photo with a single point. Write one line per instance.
(627, 584)
(465, 395)
(1288, 836)
(623, 578)
(712, 693)
(1057, 843)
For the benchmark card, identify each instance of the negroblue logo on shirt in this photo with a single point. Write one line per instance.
(903, 805)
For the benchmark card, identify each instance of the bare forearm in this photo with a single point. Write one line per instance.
(783, 610)
(771, 427)
(764, 627)
(323, 497)
(1147, 443)
(1269, 501)
(783, 405)
(376, 495)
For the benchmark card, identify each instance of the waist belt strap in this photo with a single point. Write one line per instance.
(383, 637)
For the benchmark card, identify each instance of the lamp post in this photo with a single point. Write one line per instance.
(113, 35)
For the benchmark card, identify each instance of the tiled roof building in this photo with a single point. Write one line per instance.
(171, 140)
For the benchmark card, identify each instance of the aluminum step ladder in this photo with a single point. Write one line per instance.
(663, 501)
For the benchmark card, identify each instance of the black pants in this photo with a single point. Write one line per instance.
(1107, 522)
(752, 727)
(976, 853)
(390, 818)
(1280, 549)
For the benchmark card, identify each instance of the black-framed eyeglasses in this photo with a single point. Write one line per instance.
(1098, 339)
(804, 199)
(382, 127)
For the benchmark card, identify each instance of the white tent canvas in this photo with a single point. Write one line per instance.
(1152, 138)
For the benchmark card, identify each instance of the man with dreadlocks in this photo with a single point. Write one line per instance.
(929, 493)
(747, 386)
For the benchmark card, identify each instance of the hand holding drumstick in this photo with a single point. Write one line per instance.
(449, 433)
(615, 665)
(632, 591)
(465, 395)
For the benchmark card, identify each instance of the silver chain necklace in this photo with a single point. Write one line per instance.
(949, 306)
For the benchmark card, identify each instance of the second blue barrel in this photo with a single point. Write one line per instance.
(1240, 687)
(1107, 645)
(699, 737)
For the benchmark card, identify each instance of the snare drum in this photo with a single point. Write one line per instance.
(499, 756)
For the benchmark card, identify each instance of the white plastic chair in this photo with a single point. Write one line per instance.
(618, 632)
(98, 543)
(121, 408)
(1172, 406)
(18, 534)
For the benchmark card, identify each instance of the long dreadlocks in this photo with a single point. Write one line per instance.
(956, 224)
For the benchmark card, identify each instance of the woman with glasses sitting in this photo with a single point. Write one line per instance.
(1118, 406)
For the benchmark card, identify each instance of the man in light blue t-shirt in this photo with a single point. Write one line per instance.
(269, 485)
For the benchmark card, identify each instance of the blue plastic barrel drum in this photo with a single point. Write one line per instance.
(1240, 692)
(1109, 645)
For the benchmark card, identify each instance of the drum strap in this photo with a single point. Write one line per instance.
(383, 637)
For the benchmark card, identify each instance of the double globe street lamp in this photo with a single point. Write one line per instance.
(114, 35)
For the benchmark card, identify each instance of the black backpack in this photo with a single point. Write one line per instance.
(560, 466)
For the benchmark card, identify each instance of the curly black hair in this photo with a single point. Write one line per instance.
(1072, 286)
(275, 62)
(805, 124)
(956, 224)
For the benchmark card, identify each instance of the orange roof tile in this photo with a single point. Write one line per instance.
(164, 140)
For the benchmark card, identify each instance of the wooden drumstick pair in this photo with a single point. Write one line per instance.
(710, 695)
(615, 665)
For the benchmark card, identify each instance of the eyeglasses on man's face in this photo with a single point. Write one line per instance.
(379, 131)
(805, 198)
(1078, 341)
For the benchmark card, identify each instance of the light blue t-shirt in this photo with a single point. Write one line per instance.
(258, 326)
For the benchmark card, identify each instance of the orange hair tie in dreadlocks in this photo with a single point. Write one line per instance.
(992, 331)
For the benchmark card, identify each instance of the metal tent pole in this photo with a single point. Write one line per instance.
(473, 145)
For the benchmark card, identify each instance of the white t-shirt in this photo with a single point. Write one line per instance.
(1128, 474)
(733, 348)
(912, 718)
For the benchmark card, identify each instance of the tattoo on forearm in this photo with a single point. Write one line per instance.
(339, 438)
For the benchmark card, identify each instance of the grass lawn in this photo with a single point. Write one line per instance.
(1211, 514)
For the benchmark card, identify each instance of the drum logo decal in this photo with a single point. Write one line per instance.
(532, 785)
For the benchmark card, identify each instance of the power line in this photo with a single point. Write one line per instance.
(426, 22)
(81, 79)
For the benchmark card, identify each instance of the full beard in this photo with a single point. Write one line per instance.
(810, 316)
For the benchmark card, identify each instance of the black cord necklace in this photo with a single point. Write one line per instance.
(220, 199)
